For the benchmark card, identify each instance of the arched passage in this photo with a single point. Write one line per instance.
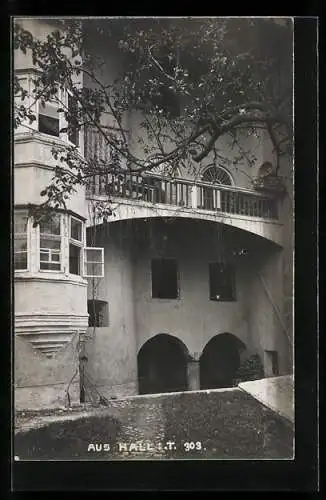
(162, 365)
(219, 361)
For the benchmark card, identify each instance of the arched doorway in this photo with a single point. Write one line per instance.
(219, 361)
(162, 365)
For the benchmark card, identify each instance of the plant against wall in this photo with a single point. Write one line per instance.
(251, 369)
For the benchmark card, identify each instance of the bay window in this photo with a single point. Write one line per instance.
(20, 241)
(50, 114)
(56, 245)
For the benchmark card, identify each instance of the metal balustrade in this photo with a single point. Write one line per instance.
(183, 193)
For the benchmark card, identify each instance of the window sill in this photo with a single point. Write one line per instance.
(222, 300)
(165, 298)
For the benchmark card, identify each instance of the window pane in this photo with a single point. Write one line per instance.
(51, 227)
(55, 257)
(93, 269)
(93, 255)
(20, 244)
(75, 229)
(23, 83)
(20, 222)
(48, 125)
(51, 266)
(50, 110)
(20, 260)
(74, 259)
(50, 243)
(44, 256)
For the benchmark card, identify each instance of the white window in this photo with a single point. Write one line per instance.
(217, 175)
(20, 241)
(56, 249)
(50, 244)
(76, 241)
(93, 262)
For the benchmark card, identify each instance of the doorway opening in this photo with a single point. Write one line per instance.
(220, 361)
(162, 365)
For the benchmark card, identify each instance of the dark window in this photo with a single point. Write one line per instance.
(98, 313)
(48, 119)
(164, 279)
(221, 282)
(169, 102)
(76, 229)
(74, 259)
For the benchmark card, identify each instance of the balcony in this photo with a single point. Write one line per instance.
(149, 195)
(153, 195)
(183, 193)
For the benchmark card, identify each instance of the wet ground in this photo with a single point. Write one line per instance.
(214, 425)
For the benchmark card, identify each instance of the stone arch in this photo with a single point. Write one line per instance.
(220, 361)
(162, 365)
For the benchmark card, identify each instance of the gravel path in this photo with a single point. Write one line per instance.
(204, 425)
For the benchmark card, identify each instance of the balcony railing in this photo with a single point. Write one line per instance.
(183, 193)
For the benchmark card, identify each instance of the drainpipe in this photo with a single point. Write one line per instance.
(276, 311)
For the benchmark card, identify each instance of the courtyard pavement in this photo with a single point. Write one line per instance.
(211, 424)
(277, 393)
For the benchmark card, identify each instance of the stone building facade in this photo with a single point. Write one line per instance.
(197, 273)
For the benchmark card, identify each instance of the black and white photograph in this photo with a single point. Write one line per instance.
(153, 238)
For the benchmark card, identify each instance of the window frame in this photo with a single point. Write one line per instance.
(27, 251)
(177, 275)
(59, 237)
(218, 297)
(77, 243)
(85, 262)
(215, 183)
(39, 108)
(105, 305)
(35, 260)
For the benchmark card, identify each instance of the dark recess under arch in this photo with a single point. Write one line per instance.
(162, 365)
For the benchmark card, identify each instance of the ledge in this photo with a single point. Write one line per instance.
(276, 393)
(183, 210)
(44, 139)
(50, 278)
